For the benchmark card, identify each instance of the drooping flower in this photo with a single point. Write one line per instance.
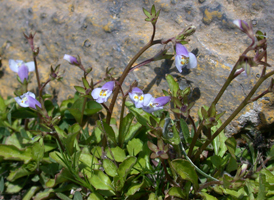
(21, 68)
(184, 58)
(28, 100)
(72, 60)
(245, 27)
(151, 104)
(137, 96)
(102, 94)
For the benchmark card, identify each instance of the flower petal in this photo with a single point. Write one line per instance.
(21, 102)
(33, 102)
(108, 85)
(137, 90)
(237, 22)
(30, 65)
(192, 61)
(161, 101)
(13, 65)
(178, 64)
(96, 93)
(147, 99)
(71, 59)
(181, 50)
(30, 94)
(23, 72)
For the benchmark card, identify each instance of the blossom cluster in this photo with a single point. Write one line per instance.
(146, 101)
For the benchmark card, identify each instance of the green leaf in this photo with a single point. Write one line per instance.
(141, 116)
(95, 196)
(61, 177)
(46, 194)
(101, 181)
(14, 187)
(118, 153)
(126, 123)
(10, 152)
(2, 185)
(23, 113)
(109, 167)
(92, 107)
(70, 142)
(85, 83)
(108, 130)
(207, 196)
(134, 187)
(262, 187)
(186, 171)
(172, 84)
(77, 196)
(62, 196)
(216, 161)
(146, 13)
(177, 192)
(76, 113)
(259, 35)
(55, 155)
(2, 105)
(134, 146)
(123, 171)
(66, 104)
(175, 140)
(231, 146)
(89, 160)
(133, 130)
(184, 129)
(153, 11)
(31, 192)
(24, 170)
(269, 176)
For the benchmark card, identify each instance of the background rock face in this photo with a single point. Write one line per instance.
(108, 33)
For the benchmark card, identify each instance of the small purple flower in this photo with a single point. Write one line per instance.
(137, 96)
(28, 100)
(102, 94)
(21, 68)
(184, 58)
(72, 60)
(151, 104)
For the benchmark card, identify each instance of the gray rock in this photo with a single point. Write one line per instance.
(109, 33)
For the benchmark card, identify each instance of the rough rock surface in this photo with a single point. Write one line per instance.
(107, 33)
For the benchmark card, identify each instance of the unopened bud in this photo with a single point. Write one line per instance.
(189, 30)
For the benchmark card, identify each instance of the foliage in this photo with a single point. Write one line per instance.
(51, 150)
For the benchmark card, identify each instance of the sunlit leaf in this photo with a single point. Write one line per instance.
(134, 146)
(186, 171)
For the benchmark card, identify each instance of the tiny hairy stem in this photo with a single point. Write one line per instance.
(215, 101)
(124, 75)
(234, 114)
(37, 76)
(120, 137)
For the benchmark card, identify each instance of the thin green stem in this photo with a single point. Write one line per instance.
(197, 168)
(234, 114)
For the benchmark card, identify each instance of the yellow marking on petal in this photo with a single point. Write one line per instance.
(103, 93)
(184, 60)
(135, 96)
(141, 98)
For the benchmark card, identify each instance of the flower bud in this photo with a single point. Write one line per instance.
(72, 60)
